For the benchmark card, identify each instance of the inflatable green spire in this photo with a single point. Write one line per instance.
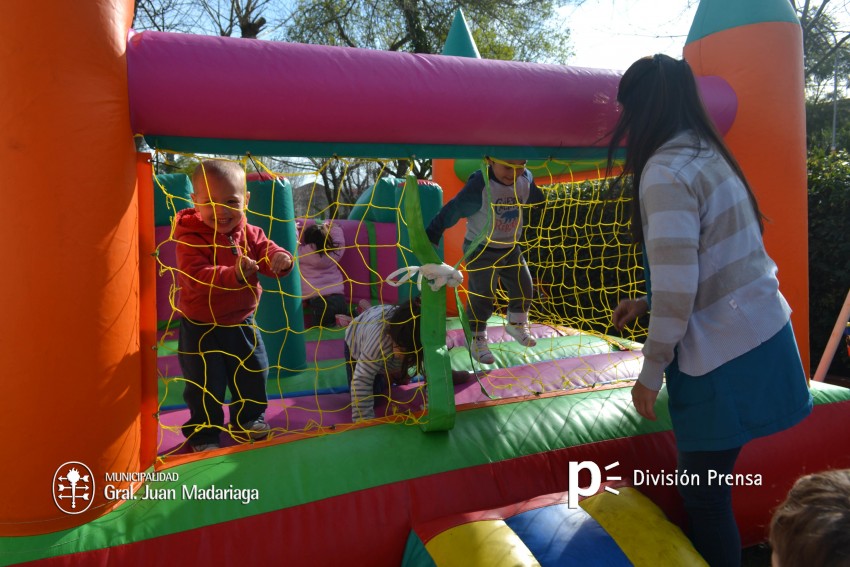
(459, 41)
(717, 15)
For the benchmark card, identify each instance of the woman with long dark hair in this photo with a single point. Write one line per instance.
(719, 329)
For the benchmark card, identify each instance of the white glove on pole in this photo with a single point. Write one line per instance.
(437, 276)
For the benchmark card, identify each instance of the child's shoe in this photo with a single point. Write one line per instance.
(517, 327)
(201, 447)
(521, 334)
(257, 429)
(480, 350)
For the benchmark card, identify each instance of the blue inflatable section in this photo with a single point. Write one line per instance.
(558, 535)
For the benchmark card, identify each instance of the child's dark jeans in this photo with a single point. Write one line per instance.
(214, 359)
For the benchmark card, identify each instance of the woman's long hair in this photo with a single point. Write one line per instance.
(658, 97)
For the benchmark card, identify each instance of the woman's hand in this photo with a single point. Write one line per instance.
(644, 400)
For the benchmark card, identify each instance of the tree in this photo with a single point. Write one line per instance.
(522, 30)
(213, 17)
(165, 15)
(819, 126)
(826, 44)
(829, 249)
(519, 30)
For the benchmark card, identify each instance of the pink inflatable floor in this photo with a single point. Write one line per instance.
(309, 413)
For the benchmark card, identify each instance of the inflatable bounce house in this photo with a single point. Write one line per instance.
(536, 459)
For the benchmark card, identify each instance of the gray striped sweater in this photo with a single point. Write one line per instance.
(371, 349)
(714, 292)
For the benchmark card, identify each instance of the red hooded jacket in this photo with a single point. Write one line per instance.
(207, 269)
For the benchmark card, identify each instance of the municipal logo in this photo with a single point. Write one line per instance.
(73, 487)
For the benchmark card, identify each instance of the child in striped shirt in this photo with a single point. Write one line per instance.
(381, 346)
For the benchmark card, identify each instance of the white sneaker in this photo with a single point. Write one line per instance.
(480, 350)
(521, 334)
(257, 429)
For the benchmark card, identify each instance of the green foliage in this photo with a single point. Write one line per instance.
(819, 119)
(829, 249)
(518, 31)
(175, 164)
(581, 256)
(523, 30)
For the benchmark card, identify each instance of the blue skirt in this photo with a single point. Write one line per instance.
(759, 393)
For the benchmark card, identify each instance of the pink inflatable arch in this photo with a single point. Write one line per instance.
(549, 110)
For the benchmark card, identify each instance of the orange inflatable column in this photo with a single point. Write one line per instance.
(149, 423)
(757, 48)
(459, 43)
(443, 174)
(70, 338)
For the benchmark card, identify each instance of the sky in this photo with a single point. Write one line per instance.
(612, 34)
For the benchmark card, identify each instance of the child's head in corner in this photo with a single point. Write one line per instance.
(319, 236)
(403, 327)
(506, 170)
(812, 526)
(220, 194)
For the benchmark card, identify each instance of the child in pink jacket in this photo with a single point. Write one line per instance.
(322, 282)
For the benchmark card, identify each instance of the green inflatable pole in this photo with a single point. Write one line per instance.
(280, 315)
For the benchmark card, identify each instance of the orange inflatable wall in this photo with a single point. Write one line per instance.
(443, 174)
(71, 362)
(763, 64)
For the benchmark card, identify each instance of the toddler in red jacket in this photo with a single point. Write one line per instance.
(218, 257)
